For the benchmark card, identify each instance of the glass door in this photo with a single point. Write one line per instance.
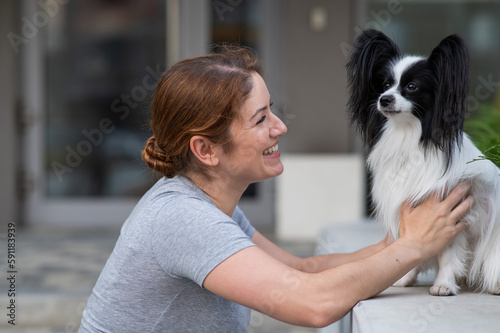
(89, 70)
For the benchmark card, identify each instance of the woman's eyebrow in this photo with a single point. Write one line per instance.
(261, 109)
(258, 110)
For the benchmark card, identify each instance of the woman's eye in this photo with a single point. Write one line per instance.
(261, 119)
(411, 86)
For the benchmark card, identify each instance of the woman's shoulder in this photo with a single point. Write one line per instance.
(177, 203)
(168, 193)
(177, 190)
(181, 192)
(169, 204)
(176, 186)
(178, 196)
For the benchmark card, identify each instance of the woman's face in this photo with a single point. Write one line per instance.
(254, 156)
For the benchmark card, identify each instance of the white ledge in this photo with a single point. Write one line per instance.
(411, 309)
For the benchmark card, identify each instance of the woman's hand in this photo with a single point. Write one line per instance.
(432, 225)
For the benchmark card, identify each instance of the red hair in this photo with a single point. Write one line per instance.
(197, 96)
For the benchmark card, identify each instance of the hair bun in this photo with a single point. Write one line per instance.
(157, 159)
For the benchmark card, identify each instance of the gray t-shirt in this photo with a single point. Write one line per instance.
(152, 282)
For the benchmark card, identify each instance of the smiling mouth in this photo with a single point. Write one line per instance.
(271, 150)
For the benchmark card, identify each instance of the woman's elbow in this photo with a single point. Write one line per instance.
(326, 313)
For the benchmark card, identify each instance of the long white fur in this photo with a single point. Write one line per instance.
(403, 171)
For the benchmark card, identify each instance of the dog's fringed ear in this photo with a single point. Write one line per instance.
(368, 61)
(450, 63)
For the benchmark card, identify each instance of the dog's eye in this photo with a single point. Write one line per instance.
(386, 86)
(411, 86)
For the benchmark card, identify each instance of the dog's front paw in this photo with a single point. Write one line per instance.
(443, 290)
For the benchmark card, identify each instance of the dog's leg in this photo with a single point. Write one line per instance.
(494, 272)
(444, 284)
(408, 279)
(490, 277)
(452, 266)
(484, 273)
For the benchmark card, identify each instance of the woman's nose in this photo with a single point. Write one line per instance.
(279, 128)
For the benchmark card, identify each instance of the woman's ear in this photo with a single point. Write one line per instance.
(204, 150)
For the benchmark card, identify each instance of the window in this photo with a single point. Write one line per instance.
(102, 58)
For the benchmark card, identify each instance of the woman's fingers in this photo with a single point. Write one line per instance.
(463, 208)
(456, 203)
(460, 226)
(457, 195)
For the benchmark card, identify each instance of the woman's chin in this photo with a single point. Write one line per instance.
(276, 170)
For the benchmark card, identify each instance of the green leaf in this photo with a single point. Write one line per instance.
(484, 131)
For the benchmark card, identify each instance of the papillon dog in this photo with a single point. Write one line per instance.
(410, 112)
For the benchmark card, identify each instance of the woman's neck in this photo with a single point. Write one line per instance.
(224, 193)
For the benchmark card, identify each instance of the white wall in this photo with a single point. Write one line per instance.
(317, 190)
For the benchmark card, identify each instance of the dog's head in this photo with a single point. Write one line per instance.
(408, 89)
(386, 86)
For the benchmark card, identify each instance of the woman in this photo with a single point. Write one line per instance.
(188, 260)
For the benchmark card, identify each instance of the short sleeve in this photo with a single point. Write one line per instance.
(191, 237)
(240, 218)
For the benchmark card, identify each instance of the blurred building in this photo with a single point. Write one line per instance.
(77, 77)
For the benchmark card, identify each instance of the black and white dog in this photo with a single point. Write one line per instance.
(410, 112)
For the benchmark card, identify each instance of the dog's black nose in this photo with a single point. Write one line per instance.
(386, 100)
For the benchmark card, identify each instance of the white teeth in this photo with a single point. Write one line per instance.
(271, 151)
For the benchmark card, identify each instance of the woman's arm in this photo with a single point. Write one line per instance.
(314, 264)
(257, 280)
